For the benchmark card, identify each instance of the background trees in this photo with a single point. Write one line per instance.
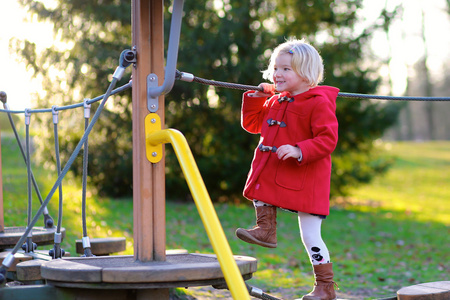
(221, 40)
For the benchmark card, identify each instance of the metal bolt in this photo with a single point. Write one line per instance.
(154, 154)
(153, 121)
(153, 106)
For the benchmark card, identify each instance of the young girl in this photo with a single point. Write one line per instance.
(291, 167)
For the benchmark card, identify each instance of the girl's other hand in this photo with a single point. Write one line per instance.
(286, 151)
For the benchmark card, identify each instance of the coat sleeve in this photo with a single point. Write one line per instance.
(254, 109)
(324, 127)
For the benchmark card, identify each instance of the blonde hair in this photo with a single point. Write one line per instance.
(306, 61)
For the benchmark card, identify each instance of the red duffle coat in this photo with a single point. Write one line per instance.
(309, 122)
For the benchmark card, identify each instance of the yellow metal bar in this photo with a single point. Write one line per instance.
(204, 205)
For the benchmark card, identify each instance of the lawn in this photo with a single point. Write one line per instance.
(386, 235)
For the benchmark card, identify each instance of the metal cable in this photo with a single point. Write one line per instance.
(45, 110)
(9, 259)
(258, 293)
(189, 78)
(85, 240)
(48, 220)
(57, 246)
(227, 84)
(64, 171)
(58, 170)
(85, 166)
(29, 242)
(394, 98)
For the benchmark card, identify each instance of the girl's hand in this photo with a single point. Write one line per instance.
(286, 151)
(269, 90)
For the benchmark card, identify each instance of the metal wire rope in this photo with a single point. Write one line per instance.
(65, 170)
(57, 253)
(85, 239)
(183, 76)
(10, 257)
(48, 220)
(96, 99)
(29, 243)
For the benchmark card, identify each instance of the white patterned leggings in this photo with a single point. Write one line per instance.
(310, 233)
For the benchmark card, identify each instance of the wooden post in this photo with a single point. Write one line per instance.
(148, 178)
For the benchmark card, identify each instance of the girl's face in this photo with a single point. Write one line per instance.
(285, 78)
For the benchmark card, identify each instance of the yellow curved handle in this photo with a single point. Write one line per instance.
(205, 208)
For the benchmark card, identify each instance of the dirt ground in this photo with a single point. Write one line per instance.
(210, 293)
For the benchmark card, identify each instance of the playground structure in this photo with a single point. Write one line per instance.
(152, 270)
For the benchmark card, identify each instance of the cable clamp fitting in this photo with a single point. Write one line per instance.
(86, 242)
(256, 292)
(55, 114)
(58, 238)
(119, 73)
(130, 56)
(8, 261)
(87, 108)
(27, 116)
(3, 97)
(183, 76)
(127, 57)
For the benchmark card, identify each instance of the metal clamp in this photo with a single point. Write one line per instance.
(27, 116)
(87, 108)
(152, 101)
(55, 114)
(8, 260)
(86, 242)
(153, 90)
(152, 124)
(130, 56)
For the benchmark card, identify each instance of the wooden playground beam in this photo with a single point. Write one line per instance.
(148, 179)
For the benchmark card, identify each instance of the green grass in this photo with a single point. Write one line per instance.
(387, 235)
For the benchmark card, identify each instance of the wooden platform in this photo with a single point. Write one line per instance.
(41, 236)
(123, 272)
(18, 258)
(103, 246)
(439, 290)
(30, 270)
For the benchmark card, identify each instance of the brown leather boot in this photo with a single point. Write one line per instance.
(324, 285)
(265, 231)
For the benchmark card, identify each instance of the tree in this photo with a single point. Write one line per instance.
(226, 41)
(94, 35)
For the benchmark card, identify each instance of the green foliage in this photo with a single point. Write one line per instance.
(236, 54)
(227, 41)
(95, 34)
